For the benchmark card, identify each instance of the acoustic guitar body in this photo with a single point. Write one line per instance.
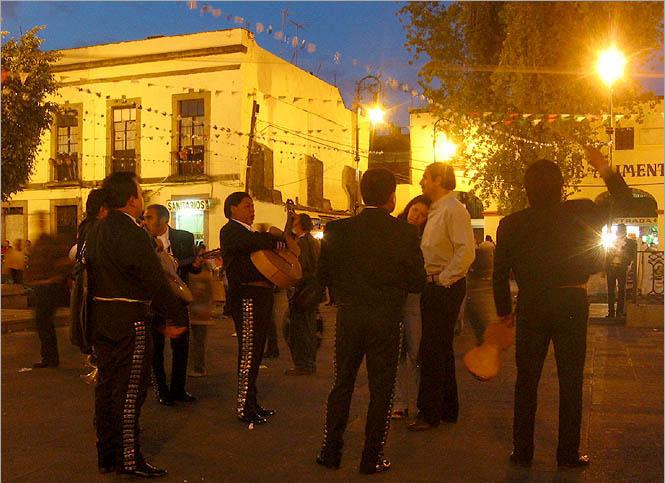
(281, 267)
(484, 361)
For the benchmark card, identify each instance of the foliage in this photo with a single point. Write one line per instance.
(527, 57)
(27, 80)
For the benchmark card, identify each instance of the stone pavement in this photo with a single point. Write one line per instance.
(47, 433)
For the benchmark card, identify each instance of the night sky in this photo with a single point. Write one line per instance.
(352, 39)
(368, 36)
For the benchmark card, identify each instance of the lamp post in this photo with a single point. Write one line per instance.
(610, 68)
(442, 148)
(371, 84)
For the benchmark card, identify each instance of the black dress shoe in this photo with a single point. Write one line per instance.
(165, 400)
(265, 413)
(184, 397)
(518, 460)
(106, 469)
(144, 470)
(253, 419)
(579, 462)
(43, 364)
(329, 461)
(381, 466)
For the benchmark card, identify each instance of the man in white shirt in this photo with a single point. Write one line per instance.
(448, 248)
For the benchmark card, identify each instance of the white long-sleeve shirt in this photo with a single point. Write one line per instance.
(448, 244)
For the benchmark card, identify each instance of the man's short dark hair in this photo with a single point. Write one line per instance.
(377, 185)
(488, 237)
(96, 200)
(162, 211)
(234, 199)
(444, 171)
(306, 222)
(119, 187)
(543, 182)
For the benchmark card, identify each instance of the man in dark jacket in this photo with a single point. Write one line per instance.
(180, 245)
(619, 256)
(370, 262)
(250, 295)
(552, 247)
(125, 277)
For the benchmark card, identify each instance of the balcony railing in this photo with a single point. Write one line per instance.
(122, 163)
(65, 167)
(188, 162)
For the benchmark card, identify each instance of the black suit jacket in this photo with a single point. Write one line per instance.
(237, 244)
(122, 263)
(371, 259)
(184, 250)
(553, 246)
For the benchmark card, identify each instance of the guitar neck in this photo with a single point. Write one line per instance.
(217, 252)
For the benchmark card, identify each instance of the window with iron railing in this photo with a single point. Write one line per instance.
(123, 156)
(189, 159)
(65, 163)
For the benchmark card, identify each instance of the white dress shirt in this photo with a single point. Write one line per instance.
(448, 244)
(166, 241)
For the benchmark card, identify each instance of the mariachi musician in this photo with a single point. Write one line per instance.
(125, 277)
(180, 245)
(250, 295)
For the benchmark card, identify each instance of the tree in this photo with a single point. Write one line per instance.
(26, 82)
(492, 63)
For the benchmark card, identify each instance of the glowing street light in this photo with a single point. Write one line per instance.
(610, 66)
(376, 115)
(444, 148)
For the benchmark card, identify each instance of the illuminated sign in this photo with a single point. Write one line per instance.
(639, 170)
(175, 205)
(635, 220)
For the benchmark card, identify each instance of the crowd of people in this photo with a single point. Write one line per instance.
(399, 285)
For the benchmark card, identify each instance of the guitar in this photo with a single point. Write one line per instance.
(484, 361)
(280, 266)
(170, 265)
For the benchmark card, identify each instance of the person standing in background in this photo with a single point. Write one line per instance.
(304, 299)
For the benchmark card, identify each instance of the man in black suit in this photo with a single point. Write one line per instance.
(250, 295)
(552, 247)
(180, 245)
(125, 278)
(370, 262)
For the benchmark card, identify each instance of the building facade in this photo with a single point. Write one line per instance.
(197, 117)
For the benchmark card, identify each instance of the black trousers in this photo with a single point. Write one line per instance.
(437, 395)
(180, 349)
(616, 278)
(560, 317)
(124, 375)
(46, 301)
(300, 335)
(372, 332)
(251, 308)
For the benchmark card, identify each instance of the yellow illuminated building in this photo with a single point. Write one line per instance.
(180, 112)
(638, 157)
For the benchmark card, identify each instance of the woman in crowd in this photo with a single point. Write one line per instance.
(415, 213)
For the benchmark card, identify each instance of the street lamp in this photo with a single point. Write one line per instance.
(443, 149)
(610, 68)
(372, 85)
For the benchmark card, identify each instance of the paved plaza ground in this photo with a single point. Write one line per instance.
(47, 433)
